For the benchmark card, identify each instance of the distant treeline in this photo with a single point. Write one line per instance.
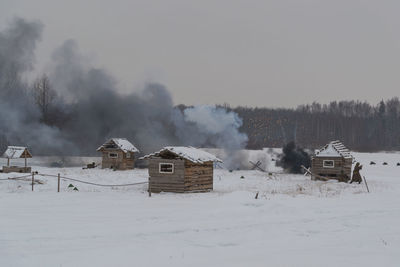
(359, 125)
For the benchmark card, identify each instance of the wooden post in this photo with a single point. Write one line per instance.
(149, 188)
(33, 179)
(365, 181)
(8, 162)
(25, 163)
(58, 183)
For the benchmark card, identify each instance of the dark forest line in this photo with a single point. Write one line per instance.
(359, 125)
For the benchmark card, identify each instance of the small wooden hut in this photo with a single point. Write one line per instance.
(17, 152)
(333, 161)
(180, 170)
(118, 154)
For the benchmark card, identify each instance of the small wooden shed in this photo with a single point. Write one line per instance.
(181, 169)
(17, 152)
(118, 154)
(333, 161)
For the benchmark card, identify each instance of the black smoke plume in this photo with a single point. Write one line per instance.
(293, 158)
(89, 107)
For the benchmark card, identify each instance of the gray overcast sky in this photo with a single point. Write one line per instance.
(255, 53)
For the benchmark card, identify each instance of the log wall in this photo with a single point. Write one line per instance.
(187, 176)
(341, 166)
(120, 163)
(167, 182)
(199, 177)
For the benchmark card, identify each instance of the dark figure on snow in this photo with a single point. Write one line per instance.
(356, 173)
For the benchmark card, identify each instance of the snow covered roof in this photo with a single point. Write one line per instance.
(16, 152)
(334, 149)
(190, 153)
(119, 143)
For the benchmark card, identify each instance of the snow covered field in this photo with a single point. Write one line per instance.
(294, 222)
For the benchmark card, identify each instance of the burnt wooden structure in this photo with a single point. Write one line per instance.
(17, 152)
(333, 161)
(118, 154)
(180, 170)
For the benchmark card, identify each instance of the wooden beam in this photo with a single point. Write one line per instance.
(365, 181)
(257, 166)
(323, 178)
(58, 183)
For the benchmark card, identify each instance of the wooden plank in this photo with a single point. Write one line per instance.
(168, 184)
(155, 181)
(166, 179)
(173, 190)
(198, 188)
(195, 185)
(199, 180)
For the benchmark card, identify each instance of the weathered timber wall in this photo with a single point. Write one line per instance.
(342, 166)
(198, 177)
(167, 182)
(120, 163)
(187, 176)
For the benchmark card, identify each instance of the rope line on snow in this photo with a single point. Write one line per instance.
(16, 178)
(71, 179)
(85, 182)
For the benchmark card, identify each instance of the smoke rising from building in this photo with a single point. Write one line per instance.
(89, 109)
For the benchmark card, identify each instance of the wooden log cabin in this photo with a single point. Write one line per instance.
(333, 161)
(17, 152)
(118, 154)
(181, 170)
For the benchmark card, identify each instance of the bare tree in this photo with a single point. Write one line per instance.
(44, 95)
(3, 143)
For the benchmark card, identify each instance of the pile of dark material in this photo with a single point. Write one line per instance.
(90, 166)
(293, 157)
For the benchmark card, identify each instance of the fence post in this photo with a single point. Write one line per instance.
(58, 183)
(366, 183)
(149, 188)
(33, 179)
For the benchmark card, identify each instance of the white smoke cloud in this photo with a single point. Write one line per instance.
(92, 109)
(219, 123)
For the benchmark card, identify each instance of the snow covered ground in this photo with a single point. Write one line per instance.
(294, 222)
